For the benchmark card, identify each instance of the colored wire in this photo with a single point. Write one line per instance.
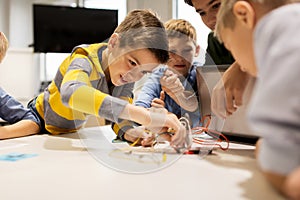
(217, 136)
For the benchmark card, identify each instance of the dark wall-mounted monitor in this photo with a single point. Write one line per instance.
(59, 28)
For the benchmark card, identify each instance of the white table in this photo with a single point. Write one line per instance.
(65, 170)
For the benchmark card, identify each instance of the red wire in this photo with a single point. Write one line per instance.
(215, 134)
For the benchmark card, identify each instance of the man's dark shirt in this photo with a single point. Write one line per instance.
(216, 53)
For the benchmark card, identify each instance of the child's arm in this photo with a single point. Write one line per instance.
(155, 120)
(139, 136)
(159, 102)
(19, 129)
(229, 89)
(172, 85)
(151, 89)
(23, 121)
(292, 184)
(275, 179)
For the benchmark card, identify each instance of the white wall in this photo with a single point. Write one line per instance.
(4, 22)
(20, 23)
(19, 74)
(164, 8)
(17, 20)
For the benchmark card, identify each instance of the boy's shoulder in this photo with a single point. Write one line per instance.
(280, 15)
(2, 92)
(160, 69)
(88, 47)
(273, 24)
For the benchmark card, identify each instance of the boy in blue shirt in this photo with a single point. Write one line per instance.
(263, 37)
(174, 86)
(22, 121)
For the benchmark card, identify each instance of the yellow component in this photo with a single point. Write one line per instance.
(135, 142)
(164, 157)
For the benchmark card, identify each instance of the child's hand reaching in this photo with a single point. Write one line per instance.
(180, 135)
(159, 102)
(139, 136)
(155, 120)
(171, 84)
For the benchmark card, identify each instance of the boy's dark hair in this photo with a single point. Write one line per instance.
(189, 2)
(143, 29)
